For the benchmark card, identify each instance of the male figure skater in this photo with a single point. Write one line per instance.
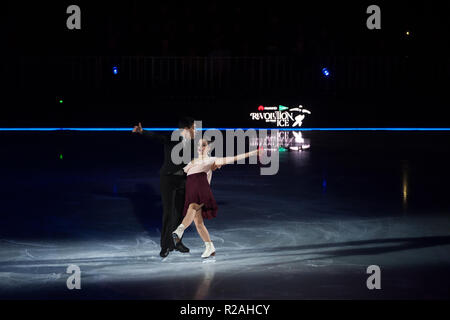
(172, 183)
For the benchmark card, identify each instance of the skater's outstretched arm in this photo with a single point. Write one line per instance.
(227, 160)
(150, 134)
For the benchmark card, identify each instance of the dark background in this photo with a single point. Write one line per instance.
(220, 60)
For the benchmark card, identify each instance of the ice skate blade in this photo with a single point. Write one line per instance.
(211, 255)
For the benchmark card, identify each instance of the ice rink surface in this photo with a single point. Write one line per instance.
(309, 232)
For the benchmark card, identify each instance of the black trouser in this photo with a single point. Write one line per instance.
(172, 195)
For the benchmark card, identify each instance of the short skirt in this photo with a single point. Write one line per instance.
(199, 191)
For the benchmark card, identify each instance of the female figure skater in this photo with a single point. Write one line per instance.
(199, 202)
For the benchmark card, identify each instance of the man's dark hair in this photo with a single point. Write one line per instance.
(185, 122)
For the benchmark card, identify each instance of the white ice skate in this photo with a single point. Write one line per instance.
(209, 250)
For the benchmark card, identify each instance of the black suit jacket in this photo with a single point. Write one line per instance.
(168, 167)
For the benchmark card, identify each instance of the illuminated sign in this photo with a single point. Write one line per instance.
(281, 116)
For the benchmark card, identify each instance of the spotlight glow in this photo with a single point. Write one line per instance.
(326, 72)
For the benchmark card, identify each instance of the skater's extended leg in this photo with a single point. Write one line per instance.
(192, 210)
(201, 228)
(190, 214)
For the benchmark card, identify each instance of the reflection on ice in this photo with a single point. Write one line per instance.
(283, 140)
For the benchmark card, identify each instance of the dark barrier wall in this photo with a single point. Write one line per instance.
(220, 60)
(359, 91)
(222, 76)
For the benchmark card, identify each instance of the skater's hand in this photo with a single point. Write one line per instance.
(138, 129)
(215, 166)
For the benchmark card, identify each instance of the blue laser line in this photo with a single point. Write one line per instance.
(223, 129)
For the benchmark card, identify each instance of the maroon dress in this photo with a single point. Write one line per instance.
(198, 189)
